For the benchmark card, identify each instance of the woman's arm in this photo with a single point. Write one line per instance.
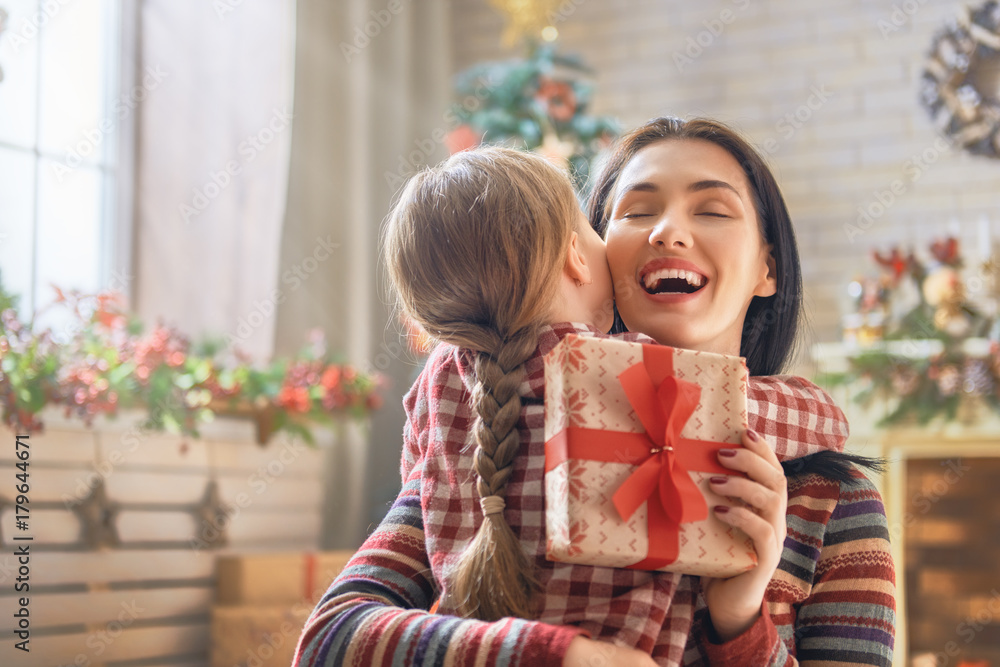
(375, 612)
(837, 556)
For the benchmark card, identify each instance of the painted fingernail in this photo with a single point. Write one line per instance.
(721, 509)
(753, 435)
(718, 479)
(727, 452)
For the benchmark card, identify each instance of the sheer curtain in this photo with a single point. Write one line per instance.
(372, 84)
(215, 82)
(259, 202)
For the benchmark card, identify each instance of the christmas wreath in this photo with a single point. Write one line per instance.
(952, 90)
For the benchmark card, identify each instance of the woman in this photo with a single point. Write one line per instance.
(703, 256)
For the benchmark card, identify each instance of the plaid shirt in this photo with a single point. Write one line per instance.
(631, 607)
(368, 616)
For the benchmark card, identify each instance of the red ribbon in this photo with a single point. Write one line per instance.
(665, 460)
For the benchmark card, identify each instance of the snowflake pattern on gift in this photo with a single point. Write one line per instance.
(576, 487)
(577, 534)
(574, 354)
(575, 402)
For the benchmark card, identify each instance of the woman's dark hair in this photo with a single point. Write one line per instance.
(771, 324)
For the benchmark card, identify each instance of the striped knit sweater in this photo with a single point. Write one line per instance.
(832, 599)
(375, 612)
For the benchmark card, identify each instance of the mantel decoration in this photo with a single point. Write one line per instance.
(955, 87)
(537, 103)
(104, 362)
(925, 335)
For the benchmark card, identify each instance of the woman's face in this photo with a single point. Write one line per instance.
(685, 248)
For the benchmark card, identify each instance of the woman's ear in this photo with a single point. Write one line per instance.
(576, 268)
(768, 285)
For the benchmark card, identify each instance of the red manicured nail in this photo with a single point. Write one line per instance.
(718, 479)
(727, 452)
(721, 509)
(753, 435)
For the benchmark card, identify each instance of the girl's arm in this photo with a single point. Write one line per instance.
(837, 549)
(795, 416)
(375, 612)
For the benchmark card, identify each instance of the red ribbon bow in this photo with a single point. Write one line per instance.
(663, 412)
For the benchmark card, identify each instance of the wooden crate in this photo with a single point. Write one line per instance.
(147, 598)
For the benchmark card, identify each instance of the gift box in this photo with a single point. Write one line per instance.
(255, 635)
(270, 578)
(632, 434)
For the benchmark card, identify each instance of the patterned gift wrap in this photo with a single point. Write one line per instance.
(632, 433)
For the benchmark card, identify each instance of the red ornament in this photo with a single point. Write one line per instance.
(559, 97)
(946, 251)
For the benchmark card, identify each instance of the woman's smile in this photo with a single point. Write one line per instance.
(670, 279)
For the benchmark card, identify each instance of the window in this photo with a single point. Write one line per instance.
(65, 125)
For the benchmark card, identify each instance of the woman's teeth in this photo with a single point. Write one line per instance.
(672, 280)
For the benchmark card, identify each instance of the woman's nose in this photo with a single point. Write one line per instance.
(670, 231)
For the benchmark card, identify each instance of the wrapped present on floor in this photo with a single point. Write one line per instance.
(632, 434)
(269, 578)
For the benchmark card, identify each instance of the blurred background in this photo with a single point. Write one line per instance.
(198, 339)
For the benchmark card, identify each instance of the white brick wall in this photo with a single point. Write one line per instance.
(761, 67)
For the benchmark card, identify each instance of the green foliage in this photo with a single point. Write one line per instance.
(108, 362)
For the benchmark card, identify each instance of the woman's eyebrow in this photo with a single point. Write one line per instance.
(710, 185)
(641, 186)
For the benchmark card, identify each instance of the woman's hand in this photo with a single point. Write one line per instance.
(583, 652)
(734, 604)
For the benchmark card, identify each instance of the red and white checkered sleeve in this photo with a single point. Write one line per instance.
(795, 415)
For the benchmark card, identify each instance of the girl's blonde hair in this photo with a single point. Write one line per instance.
(475, 248)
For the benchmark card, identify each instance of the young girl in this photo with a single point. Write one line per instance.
(491, 254)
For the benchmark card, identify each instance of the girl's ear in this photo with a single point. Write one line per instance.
(576, 268)
(768, 285)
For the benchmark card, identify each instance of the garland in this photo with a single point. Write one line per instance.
(950, 90)
(107, 363)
